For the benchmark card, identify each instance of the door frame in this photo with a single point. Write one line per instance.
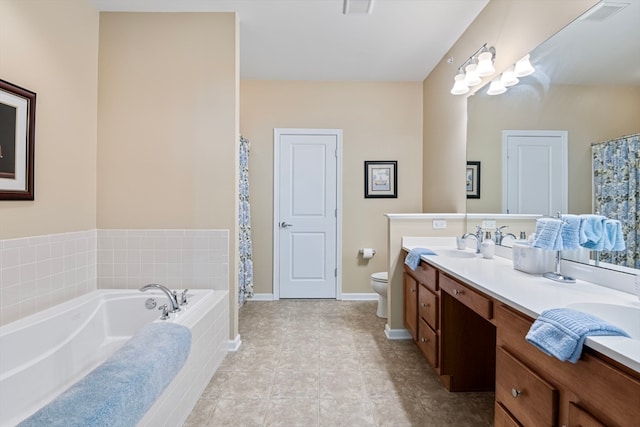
(564, 141)
(277, 132)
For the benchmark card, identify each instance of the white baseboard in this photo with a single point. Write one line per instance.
(261, 297)
(234, 344)
(359, 297)
(396, 334)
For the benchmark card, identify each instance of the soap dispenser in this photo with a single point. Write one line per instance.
(488, 247)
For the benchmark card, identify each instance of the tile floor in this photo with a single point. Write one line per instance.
(328, 363)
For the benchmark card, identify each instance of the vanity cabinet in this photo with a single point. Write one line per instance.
(539, 390)
(475, 342)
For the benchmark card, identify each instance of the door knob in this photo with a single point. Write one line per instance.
(285, 225)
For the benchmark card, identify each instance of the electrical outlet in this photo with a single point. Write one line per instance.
(488, 223)
(439, 224)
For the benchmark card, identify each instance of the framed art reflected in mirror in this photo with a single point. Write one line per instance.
(17, 130)
(473, 180)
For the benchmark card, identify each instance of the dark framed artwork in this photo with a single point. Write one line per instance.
(17, 130)
(381, 179)
(473, 180)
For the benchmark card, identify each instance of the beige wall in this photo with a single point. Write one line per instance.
(589, 114)
(167, 133)
(51, 48)
(514, 28)
(380, 121)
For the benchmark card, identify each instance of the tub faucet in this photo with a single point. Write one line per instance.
(478, 237)
(173, 301)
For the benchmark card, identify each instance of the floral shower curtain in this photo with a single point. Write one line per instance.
(616, 179)
(245, 273)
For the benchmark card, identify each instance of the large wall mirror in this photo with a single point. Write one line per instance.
(586, 83)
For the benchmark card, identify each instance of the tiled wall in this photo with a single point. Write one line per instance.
(174, 258)
(38, 272)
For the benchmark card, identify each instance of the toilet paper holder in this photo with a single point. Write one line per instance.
(361, 251)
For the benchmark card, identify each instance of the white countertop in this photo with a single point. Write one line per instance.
(532, 294)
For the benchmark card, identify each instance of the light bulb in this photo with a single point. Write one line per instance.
(509, 78)
(496, 87)
(523, 67)
(471, 77)
(459, 87)
(485, 64)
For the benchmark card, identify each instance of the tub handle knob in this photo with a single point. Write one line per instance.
(183, 297)
(165, 311)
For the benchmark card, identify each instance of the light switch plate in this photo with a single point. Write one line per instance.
(439, 224)
(488, 223)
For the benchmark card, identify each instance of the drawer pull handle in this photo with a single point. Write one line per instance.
(457, 292)
(424, 339)
(413, 290)
(516, 393)
(425, 305)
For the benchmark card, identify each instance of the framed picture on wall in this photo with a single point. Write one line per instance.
(473, 180)
(17, 130)
(381, 179)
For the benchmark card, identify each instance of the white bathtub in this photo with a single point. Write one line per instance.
(43, 354)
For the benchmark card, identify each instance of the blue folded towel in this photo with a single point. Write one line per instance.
(570, 232)
(561, 332)
(592, 232)
(613, 238)
(121, 390)
(548, 234)
(413, 258)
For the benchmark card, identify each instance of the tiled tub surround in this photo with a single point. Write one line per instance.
(128, 259)
(39, 272)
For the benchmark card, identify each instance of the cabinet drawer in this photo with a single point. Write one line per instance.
(502, 417)
(532, 400)
(428, 306)
(425, 274)
(472, 299)
(428, 343)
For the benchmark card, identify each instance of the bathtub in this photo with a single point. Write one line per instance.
(43, 354)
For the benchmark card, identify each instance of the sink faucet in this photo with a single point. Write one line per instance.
(173, 301)
(477, 235)
(500, 235)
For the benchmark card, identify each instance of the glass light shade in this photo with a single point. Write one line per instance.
(459, 87)
(496, 87)
(471, 77)
(509, 78)
(523, 67)
(485, 64)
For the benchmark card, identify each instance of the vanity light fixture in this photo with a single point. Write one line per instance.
(496, 87)
(470, 73)
(523, 67)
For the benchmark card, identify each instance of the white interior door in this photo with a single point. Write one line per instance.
(306, 213)
(534, 172)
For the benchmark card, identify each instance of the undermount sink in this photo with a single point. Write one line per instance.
(455, 253)
(624, 316)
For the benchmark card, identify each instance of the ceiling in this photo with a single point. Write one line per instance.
(401, 40)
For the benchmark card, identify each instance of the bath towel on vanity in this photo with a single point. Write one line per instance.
(592, 231)
(570, 232)
(548, 234)
(120, 391)
(561, 332)
(413, 257)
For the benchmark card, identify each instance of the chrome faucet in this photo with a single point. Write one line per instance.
(477, 235)
(173, 301)
(499, 236)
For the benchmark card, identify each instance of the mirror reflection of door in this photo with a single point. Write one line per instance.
(534, 177)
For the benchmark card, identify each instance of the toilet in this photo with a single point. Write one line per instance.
(379, 283)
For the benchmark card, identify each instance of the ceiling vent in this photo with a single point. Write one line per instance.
(603, 10)
(352, 7)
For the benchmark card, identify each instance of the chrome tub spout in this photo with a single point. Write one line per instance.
(173, 301)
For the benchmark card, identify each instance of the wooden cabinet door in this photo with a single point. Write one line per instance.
(581, 418)
(411, 305)
(428, 306)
